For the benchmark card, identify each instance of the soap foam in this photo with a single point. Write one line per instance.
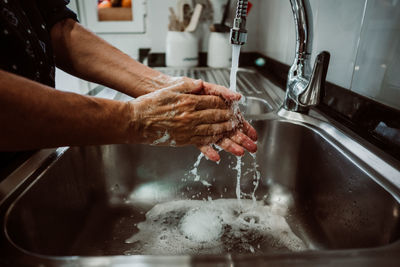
(201, 225)
(214, 227)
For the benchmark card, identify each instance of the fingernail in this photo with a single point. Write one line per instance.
(240, 152)
(198, 82)
(254, 137)
(213, 157)
(251, 146)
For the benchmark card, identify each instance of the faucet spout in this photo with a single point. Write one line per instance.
(304, 86)
(239, 31)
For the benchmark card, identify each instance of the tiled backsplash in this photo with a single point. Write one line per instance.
(377, 69)
(363, 37)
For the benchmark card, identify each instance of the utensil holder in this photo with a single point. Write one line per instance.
(182, 49)
(219, 50)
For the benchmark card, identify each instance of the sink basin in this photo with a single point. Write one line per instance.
(91, 199)
(255, 106)
(334, 196)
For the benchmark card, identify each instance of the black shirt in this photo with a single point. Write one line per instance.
(25, 46)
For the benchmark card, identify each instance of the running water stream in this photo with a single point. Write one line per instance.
(235, 66)
(233, 81)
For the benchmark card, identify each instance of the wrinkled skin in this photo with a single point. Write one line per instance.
(80, 52)
(192, 112)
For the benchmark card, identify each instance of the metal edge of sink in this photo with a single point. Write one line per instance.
(372, 161)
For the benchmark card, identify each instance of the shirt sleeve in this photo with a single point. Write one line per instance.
(54, 11)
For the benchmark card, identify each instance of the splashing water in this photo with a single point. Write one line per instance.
(194, 171)
(238, 169)
(256, 178)
(235, 66)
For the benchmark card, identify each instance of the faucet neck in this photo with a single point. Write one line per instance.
(239, 31)
(304, 26)
(304, 86)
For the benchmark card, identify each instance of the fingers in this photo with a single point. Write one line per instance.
(249, 130)
(188, 86)
(210, 101)
(229, 146)
(236, 145)
(244, 141)
(191, 86)
(209, 152)
(205, 140)
(217, 90)
(210, 116)
(214, 129)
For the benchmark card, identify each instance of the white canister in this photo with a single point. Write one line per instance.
(219, 50)
(182, 49)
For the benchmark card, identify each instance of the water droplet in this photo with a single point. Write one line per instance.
(115, 187)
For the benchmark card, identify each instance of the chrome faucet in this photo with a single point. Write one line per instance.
(303, 88)
(239, 31)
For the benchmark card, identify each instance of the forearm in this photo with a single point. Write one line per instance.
(33, 116)
(83, 54)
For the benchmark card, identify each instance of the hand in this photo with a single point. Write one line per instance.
(182, 114)
(241, 139)
(236, 142)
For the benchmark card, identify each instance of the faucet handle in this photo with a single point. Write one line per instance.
(311, 96)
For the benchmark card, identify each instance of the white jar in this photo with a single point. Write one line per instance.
(182, 49)
(219, 50)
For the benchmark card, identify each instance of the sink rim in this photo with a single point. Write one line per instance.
(387, 252)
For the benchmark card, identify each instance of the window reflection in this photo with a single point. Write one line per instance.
(114, 10)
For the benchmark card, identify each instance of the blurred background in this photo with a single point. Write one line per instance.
(363, 36)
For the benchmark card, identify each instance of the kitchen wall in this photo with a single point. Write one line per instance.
(362, 36)
(377, 68)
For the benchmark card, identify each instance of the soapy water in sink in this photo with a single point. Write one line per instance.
(214, 227)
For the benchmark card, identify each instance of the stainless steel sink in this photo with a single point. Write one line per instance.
(343, 197)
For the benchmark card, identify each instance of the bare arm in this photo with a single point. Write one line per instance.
(34, 116)
(85, 55)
